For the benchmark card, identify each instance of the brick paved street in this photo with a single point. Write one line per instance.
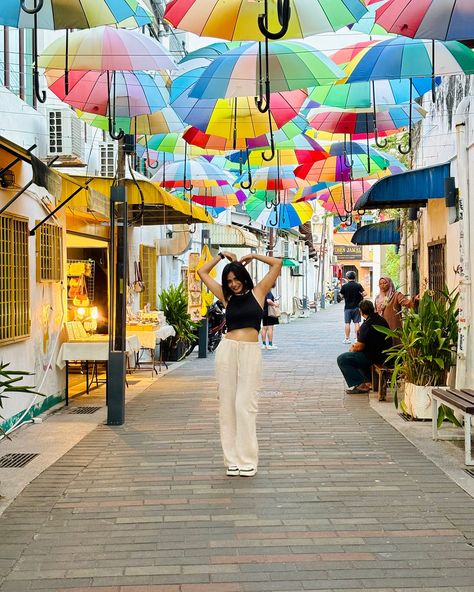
(341, 501)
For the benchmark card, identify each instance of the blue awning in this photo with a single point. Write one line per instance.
(411, 189)
(381, 233)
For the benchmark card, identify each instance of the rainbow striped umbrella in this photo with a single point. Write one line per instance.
(107, 48)
(367, 23)
(292, 65)
(401, 57)
(223, 196)
(343, 196)
(237, 117)
(135, 93)
(277, 210)
(75, 14)
(238, 19)
(170, 143)
(335, 168)
(198, 138)
(428, 19)
(198, 172)
(361, 124)
(274, 178)
(161, 122)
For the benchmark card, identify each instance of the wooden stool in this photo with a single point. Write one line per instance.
(380, 377)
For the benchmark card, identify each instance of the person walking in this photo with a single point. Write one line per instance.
(268, 322)
(369, 349)
(389, 302)
(353, 293)
(238, 356)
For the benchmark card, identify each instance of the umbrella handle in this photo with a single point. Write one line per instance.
(272, 148)
(157, 164)
(410, 117)
(249, 173)
(276, 218)
(263, 103)
(378, 142)
(284, 14)
(112, 133)
(188, 187)
(406, 150)
(39, 94)
(37, 7)
(248, 184)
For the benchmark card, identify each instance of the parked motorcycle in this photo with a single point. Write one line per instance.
(215, 329)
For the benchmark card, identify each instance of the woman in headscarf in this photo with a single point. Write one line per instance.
(389, 302)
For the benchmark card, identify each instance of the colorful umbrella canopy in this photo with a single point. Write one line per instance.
(135, 93)
(198, 172)
(286, 156)
(291, 65)
(238, 19)
(428, 19)
(361, 95)
(107, 48)
(237, 117)
(161, 122)
(367, 23)
(401, 57)
(342, 197)
(223, 196)
(282, 213)
(196, 137)
(274, 178)
(360, 124)
(341, 168)
(76, 14)
(171, 143)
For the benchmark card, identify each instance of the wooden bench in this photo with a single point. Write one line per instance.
(458, 400)
(380, 378)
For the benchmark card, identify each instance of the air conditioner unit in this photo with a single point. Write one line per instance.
(65, 135)
(285, 249)
(108, 159)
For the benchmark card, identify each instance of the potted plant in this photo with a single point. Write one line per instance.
(9, 384)
(425, 351)
(174, 304)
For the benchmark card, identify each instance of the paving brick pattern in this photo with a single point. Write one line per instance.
(341, 500)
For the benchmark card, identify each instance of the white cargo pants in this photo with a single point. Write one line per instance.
(238, 373)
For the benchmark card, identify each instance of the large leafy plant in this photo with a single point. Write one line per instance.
(9, 384)
(174, 304)
(425, 344)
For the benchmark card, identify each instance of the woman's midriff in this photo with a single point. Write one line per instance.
(247, 334)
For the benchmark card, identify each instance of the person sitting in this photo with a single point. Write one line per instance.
(369, 349)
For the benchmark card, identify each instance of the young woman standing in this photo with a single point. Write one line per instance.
(238, 356)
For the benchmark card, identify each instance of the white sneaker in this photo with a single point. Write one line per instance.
(263, 346)
(247, 472)
(347, 341)
(232, 471)
(272, 347)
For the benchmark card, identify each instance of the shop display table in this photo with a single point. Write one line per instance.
(149, 336)
(94, 349)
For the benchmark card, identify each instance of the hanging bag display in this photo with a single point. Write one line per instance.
(82, 298)
(138, 284)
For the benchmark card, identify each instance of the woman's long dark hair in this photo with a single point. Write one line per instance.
(240, 272)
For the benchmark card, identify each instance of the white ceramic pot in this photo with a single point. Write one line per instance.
(418, 400)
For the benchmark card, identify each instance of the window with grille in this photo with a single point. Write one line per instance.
(48, 253)
(436, 267)
(148, 264)
(55, 132)
(14, 279)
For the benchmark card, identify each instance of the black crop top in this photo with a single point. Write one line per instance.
(243, 312)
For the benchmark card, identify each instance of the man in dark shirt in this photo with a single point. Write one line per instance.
(352, 292)
(369, 349)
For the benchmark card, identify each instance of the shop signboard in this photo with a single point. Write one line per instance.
(348, 252)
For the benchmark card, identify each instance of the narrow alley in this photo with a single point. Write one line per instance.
(341, 500)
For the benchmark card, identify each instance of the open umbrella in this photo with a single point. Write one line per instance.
(340, 198)
(428, 19)
(291, 65)
(164, 121)
(223, 196)
(107, 48)
(110, 50)
(136, 93)
(233, 118)
(192, 173)
(367, 23)
(196, 137)
(277, 211)
(276, 178)
(69, 14)
(337, 168)
(243, 20)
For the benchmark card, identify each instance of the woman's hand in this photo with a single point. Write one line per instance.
(230, 256)
(246, 259)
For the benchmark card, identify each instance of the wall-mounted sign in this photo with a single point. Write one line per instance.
(348, 252)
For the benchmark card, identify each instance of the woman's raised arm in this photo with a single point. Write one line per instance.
(266, 283)
(210, 282)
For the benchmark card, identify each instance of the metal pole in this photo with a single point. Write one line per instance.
(116, 368)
